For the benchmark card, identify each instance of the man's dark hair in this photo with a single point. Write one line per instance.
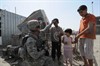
(82, 7)
(68, 31)
(56, 20)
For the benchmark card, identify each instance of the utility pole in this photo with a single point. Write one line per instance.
(92, 7)
(15, 10)
(15, 21)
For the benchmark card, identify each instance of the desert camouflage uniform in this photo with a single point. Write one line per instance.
(35, 56)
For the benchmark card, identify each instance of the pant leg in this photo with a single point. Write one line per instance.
(58, 50)
(88, 48)
(53, 50)
(81, 47)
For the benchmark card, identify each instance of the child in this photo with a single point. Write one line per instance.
(67, 41)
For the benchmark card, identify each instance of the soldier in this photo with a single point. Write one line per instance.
(35, 52)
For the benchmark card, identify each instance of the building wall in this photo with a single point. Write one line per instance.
(9, 22)
(0, 31)
(98, 25)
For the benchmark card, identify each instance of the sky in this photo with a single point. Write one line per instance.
(64, 10)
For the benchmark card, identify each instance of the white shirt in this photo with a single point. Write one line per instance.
(67, 39)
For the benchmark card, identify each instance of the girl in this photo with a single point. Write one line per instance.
(68, 51)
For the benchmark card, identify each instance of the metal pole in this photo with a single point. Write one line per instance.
(15, 21)
(15, 10)
(92, 7)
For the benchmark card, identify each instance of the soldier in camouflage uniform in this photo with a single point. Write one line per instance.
(35, 52)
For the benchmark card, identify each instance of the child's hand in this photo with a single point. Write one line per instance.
(74, 42)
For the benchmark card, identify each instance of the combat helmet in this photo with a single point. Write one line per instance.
(33, 24)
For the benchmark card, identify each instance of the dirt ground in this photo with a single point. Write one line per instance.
(76, 63)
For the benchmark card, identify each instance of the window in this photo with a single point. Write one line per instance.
(0, 18)
(0, 28)
(0, 9)
(0, 32)
(98, 30)
(98, 20)
(0, 24)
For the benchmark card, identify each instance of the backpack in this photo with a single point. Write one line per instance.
(22, 51)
